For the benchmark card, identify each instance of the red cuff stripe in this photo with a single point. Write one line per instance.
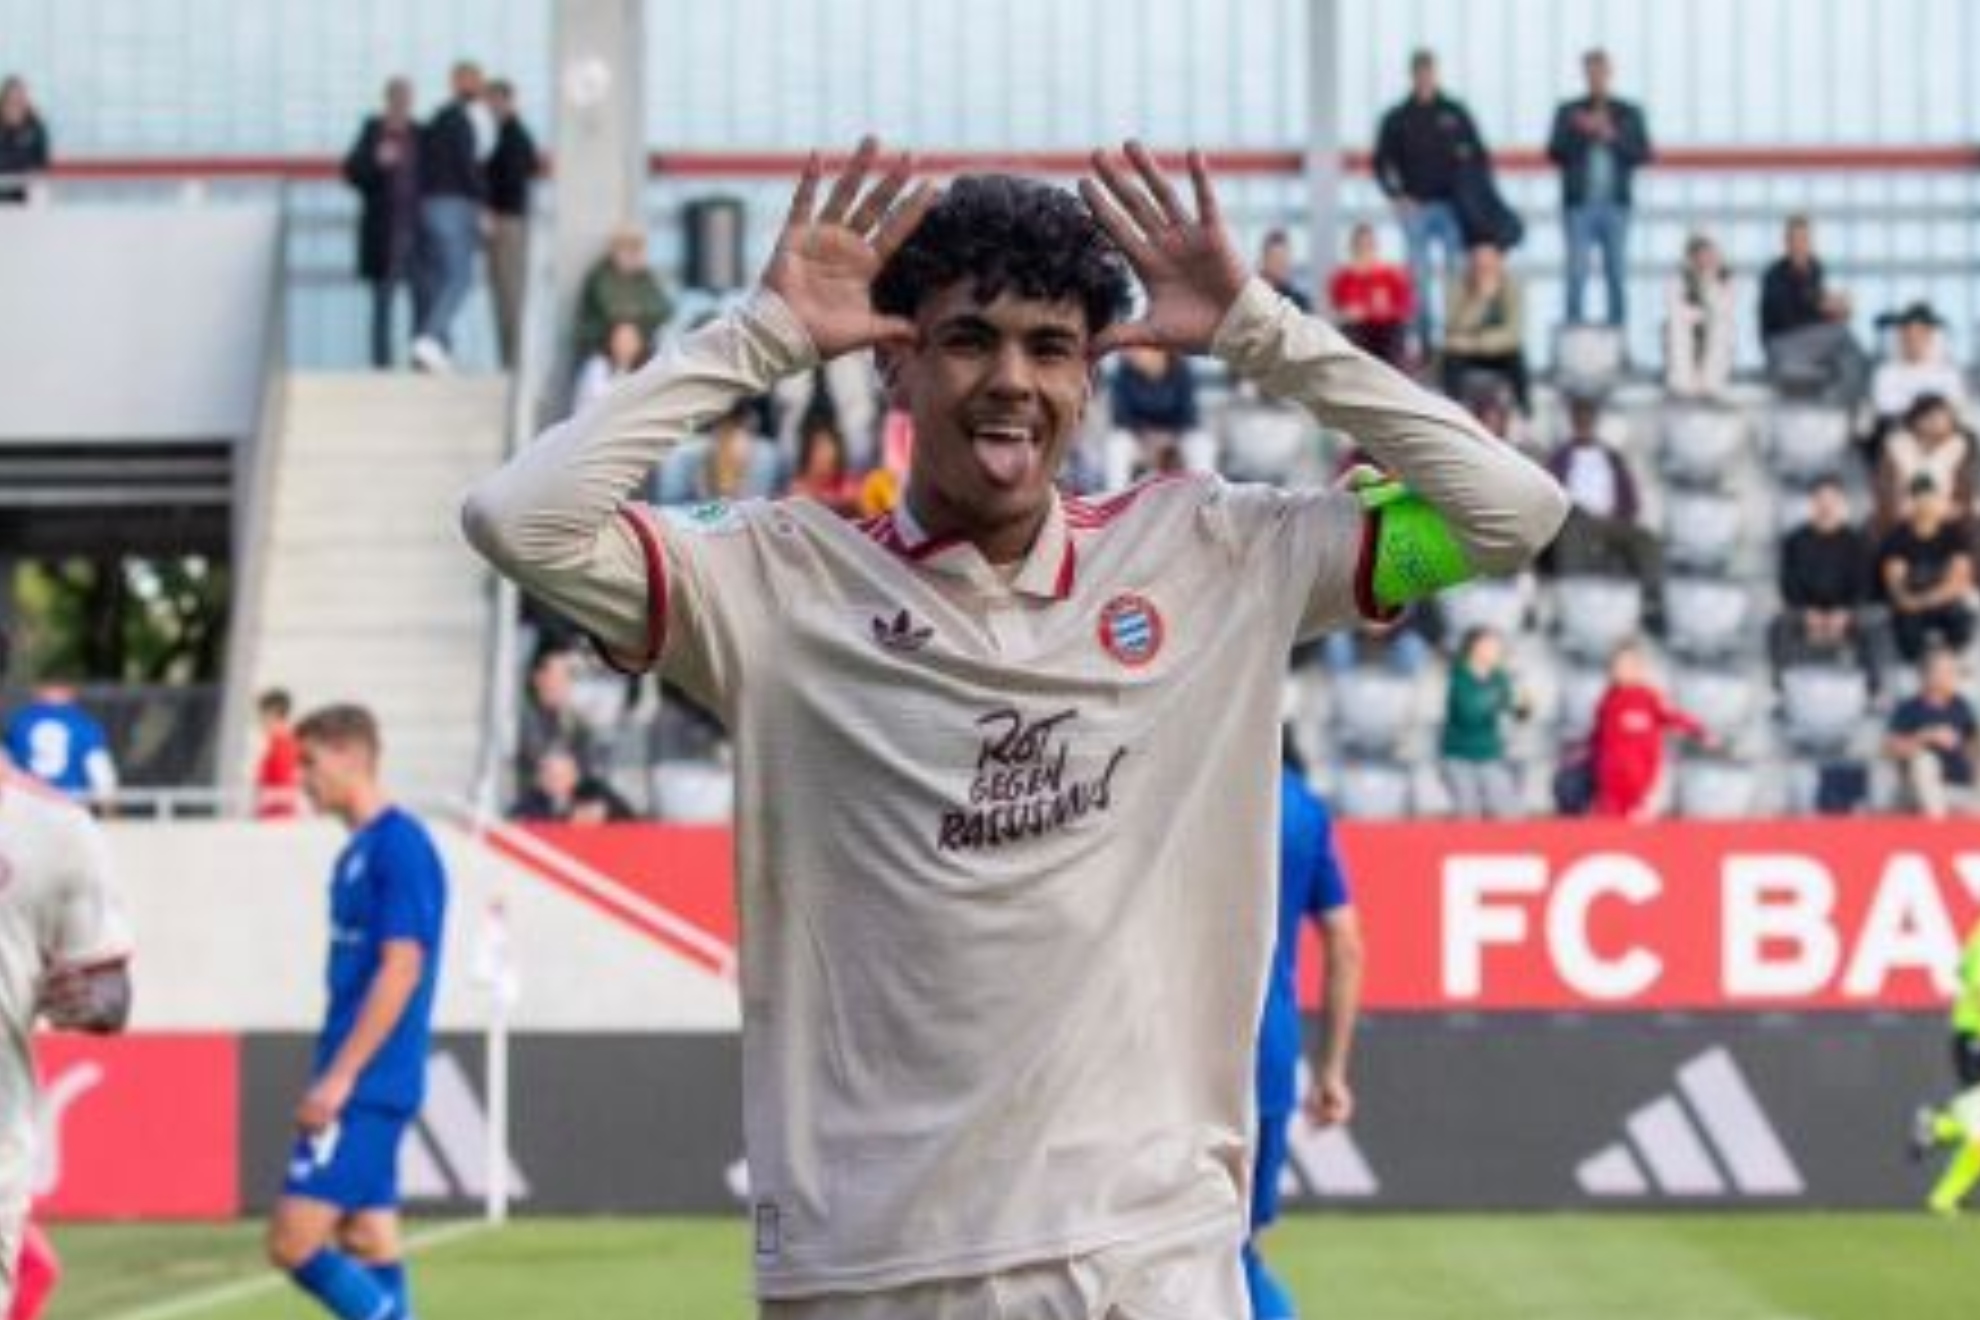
(656, 595)
(1364, 571)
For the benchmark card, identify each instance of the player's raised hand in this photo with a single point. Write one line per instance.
(1187, 265)
(827, 256)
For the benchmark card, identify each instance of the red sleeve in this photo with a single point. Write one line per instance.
(1683, 721)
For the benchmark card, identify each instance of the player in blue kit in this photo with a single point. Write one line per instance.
(335, 1231)
(1312, 887)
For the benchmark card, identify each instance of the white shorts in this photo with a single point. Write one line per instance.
(1198, 1278)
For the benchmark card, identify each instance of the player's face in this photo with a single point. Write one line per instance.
(997, 391)
(330, 773)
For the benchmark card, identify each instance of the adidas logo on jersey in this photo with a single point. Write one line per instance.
(1708, 1138)
(901, 633)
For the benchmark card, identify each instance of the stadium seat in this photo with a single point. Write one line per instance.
(1701, 445)
(1495, 603)
(1809, 442)
(1706, 617)
(1594, 615)
(1372, 790)
(1711, 788)
(694, 792)
(1374, 709)
(1702, 530)
(1823, 707)
(1587, 358)
(1723, 701)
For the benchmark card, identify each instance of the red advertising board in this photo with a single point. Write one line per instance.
(1570, 915)
(140, 1127)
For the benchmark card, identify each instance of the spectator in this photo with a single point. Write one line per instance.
(1699, 321)
(734, 463)
(1627, 749)
(278, 775)
(598, 803)
(621, 287)
(511, 170)
(1599, 142)
(1928, 443)
(1804, 325)
(23, 141)
(623, 354)
(1828, 574)
(823, 472)
(550, 718)
(1275, 267)
(58, 742)
(1373, 299)
(1934, 740)
(1153, 397)
(383, 166)
(1422, 152)
(1921, 367)
(552, 791)
(1926, 565)
(1603, 535)
(1482, 693)
(453, 186)
(1486, 331)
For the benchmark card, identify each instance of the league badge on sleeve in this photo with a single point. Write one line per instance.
(708, 518)
(1131, 629)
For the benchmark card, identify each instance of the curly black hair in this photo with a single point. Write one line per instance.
(1005, 233)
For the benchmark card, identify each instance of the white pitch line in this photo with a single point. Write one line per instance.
(222, 1294)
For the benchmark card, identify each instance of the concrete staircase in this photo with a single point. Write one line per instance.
(364, 590)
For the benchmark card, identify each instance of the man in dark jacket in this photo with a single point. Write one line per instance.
(383, 165)
(1805, 325)
(511, 169)
(453, 187)
(1426, 145)
(1828, 576)
(1603, 536)
(1598, 142)
(23, 140)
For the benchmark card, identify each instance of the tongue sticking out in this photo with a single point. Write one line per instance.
(1006, 462)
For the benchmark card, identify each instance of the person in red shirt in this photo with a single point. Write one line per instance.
(1373, 299)
(278, 778)
(1627, 749)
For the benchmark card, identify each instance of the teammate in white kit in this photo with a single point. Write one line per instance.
(64, 945)
(1007, 761)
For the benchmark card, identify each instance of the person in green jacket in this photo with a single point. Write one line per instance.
(621, 287)
(1957, 1124)
(1482, 695)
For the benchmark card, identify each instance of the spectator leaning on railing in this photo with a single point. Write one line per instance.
(23, 140)
(383, 166)
(453, 188)
(1425, 145)
(511, 171)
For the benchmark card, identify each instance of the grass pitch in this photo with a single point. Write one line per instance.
(1387, 1267)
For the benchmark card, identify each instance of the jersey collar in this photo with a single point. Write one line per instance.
(1045, 574)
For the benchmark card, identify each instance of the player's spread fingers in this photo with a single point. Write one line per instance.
(846, 187)
(1208, 212)
(904, 219)
(1117, 226)
(807, 192)
(874, 207)
(1129, 195)
(1158, 183)
(1130, 334)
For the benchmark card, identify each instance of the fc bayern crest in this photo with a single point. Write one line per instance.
(1131, 630)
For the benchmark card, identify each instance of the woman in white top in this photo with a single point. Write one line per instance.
(1699, 323)
(625, 352)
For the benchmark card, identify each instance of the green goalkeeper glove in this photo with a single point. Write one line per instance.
(1416, 556)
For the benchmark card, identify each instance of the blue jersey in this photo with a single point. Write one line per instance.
(1311, 885)
(388, 885)
(56, 743)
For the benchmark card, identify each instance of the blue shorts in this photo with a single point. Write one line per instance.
(1268, 1168)
(354, 1164)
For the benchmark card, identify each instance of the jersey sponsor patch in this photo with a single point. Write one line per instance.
(708, 518)
(1131, 629)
